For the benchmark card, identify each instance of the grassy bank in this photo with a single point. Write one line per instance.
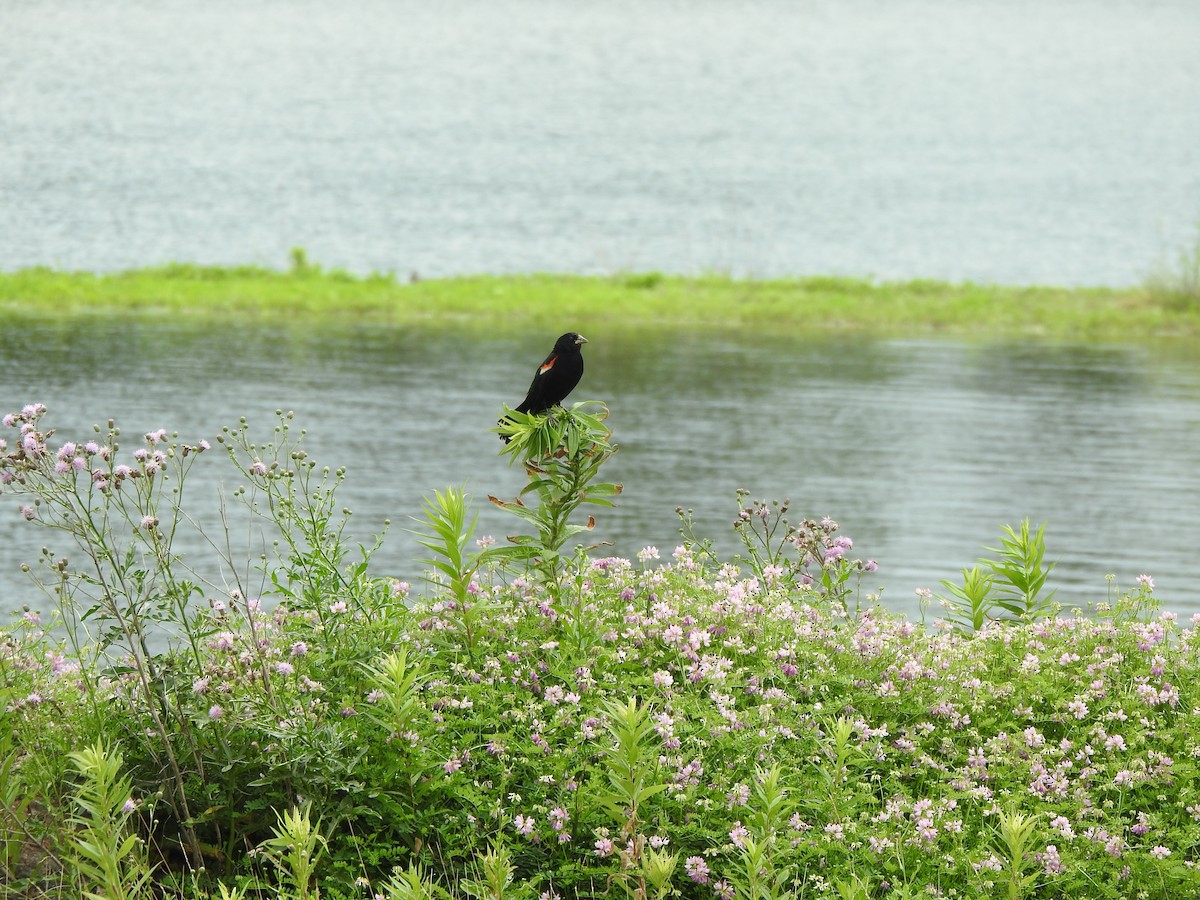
(895, 309)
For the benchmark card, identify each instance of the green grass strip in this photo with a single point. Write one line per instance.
(651, 300)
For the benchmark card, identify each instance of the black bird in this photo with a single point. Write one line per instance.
(556, 376)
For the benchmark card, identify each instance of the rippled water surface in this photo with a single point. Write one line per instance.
(920, 450)
(1012, 141)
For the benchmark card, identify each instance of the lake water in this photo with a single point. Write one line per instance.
(1009, 141)
(920, 450)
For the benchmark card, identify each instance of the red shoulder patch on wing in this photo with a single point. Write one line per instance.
(547, 365)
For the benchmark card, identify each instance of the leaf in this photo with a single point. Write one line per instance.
(605, 490)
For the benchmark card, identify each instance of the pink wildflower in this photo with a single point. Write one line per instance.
(524, 825)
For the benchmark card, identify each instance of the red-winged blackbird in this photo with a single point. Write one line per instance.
(556, 376)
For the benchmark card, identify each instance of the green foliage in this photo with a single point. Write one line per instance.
(398, 683)
(562, 454)
(974, 602)
(1010, 586)
(413, 883)
(1020, 573)
(448, 535)
(496, 880)
(1016, 833)
(295, 850)
(630, 765)
(762, 872)
(1177, 286)
(308, 293)
(109, 858)
(684, 728)
(15, 798)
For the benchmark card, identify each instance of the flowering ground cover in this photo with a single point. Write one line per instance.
(543, 721)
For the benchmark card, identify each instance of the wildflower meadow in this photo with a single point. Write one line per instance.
(540, 720)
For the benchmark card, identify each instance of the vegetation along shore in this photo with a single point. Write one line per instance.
(538, 719)
(1162, 308)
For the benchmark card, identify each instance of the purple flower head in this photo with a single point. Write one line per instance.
(697, 869)
(524, 825)
(223, 641)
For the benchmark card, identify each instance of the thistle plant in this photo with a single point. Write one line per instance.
(286, 489)
(562, 454)
(122, 517)
(146, 652)
(807, 555)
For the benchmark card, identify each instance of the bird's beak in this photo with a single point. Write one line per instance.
(580, 339)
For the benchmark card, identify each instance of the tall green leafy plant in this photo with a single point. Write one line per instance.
(109, 858)
(447, 534)
(1010, 585)
(1020, 572)
(562, 454)
(633, 780)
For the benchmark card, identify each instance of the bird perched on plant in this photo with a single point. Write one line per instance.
(556, 376)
